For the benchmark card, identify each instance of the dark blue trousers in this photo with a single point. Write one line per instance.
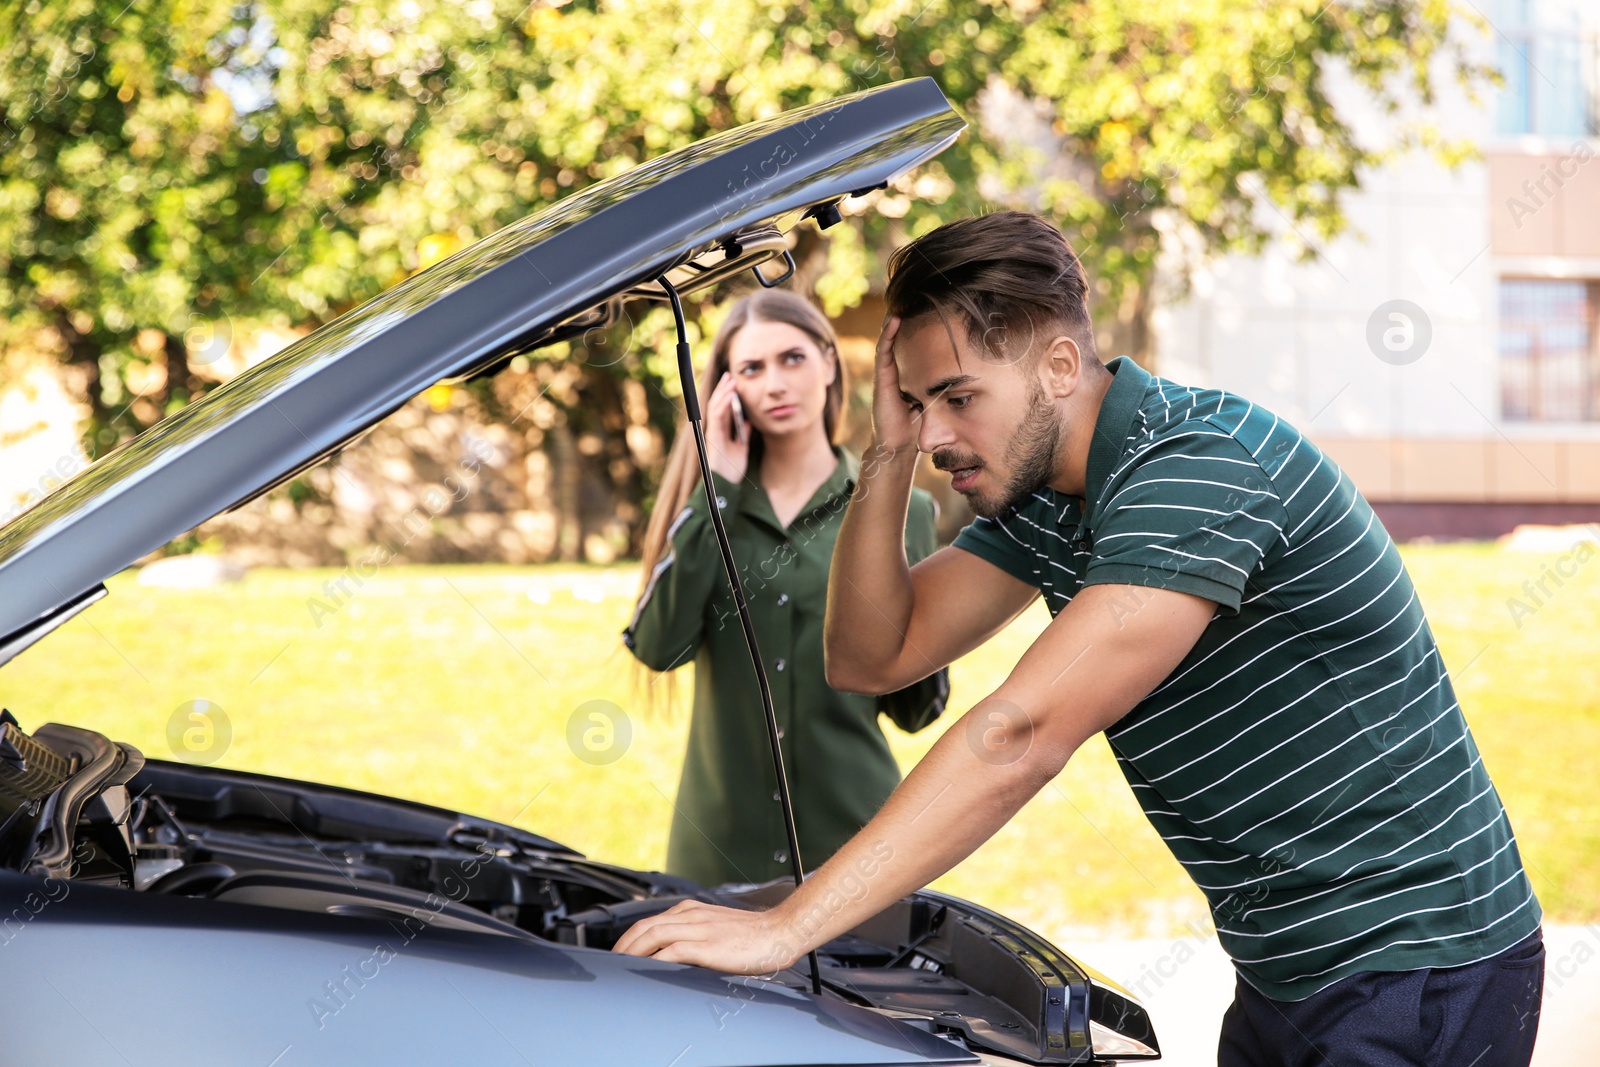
(1482, 1015)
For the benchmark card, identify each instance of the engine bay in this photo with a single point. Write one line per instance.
(77, 806)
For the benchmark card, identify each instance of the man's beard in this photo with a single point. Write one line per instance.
(1030, 457)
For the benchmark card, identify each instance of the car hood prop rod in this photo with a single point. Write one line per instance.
(691, 404)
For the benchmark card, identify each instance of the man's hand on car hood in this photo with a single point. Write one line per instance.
(726, 939)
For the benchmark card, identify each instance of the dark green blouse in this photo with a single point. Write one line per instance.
(727, 824)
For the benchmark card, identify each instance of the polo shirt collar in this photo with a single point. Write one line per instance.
(1118, 408)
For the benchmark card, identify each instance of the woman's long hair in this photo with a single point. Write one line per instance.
(681, 479)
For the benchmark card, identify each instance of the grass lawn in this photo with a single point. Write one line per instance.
(453, 685)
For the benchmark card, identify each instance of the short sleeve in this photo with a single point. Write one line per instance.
(995, 542)
(1194, 513)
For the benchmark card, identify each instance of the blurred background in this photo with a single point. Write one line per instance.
(1379, 218)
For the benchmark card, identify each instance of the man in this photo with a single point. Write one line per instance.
(1228, 610)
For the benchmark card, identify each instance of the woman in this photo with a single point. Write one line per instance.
(772, 395)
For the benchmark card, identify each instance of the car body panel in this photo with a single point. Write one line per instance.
(335, 914)
(238, 984)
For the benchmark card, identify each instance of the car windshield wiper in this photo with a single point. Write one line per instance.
(691, 404)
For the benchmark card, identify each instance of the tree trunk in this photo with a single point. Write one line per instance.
(566, 474)
(1125, 329)
(84, 351)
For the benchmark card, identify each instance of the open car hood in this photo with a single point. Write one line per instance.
(551, 275)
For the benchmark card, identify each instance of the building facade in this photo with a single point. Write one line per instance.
(1446, 350)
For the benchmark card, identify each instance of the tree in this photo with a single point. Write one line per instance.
(193, 164)
(123, 175)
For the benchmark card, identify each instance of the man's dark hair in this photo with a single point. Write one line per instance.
(1007, 276)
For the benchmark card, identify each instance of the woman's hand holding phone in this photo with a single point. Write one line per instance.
(727, 433)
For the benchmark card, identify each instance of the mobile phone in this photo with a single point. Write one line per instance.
(736, 424)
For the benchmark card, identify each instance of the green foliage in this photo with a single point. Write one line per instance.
(193, 167)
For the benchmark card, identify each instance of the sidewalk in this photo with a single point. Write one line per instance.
(1187, 984)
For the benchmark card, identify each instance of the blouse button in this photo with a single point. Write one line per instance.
(779, 665)
(781, 856)
(783, 598)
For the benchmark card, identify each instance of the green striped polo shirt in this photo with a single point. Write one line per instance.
(1307, 762)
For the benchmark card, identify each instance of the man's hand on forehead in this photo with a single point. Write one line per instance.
(894, 428)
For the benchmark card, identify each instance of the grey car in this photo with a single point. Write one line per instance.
(164, 913)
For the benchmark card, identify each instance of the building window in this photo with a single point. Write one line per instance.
(1548, 50)
(1549, 367)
